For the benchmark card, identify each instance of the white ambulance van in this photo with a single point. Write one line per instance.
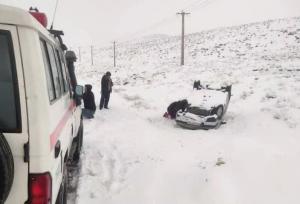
(40, 120)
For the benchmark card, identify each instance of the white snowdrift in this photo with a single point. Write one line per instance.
(132, 155)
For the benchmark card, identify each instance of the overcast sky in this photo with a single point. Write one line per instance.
(99, 22)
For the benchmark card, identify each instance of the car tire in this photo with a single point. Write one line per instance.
(79, 141)
(62, 197)
(219, 112)
(6, 169)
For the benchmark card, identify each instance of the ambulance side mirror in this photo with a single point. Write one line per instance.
(79, 90)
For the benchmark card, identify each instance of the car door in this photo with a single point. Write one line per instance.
(13, 113)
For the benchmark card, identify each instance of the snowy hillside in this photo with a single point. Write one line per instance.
(133, 155)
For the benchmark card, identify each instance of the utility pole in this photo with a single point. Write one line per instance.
(92, 57)
(114, 53)
(79, 54)
(182, 13)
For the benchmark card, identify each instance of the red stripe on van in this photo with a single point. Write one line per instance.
(55, 135)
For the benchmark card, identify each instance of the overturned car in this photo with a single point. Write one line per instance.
(206, 110)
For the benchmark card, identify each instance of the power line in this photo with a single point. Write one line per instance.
(192, 4)
(202, 5)
(150, 27)
(189, 5)
(165, 20)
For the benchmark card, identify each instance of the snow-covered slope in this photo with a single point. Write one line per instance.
(133, 155)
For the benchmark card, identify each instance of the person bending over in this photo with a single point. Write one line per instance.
(175, 107)
(89, 102)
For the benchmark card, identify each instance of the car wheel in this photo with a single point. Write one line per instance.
(79, 141)
(219, 112)
(6, 169)
(62, 197)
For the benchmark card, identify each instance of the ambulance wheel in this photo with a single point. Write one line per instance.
(62, 197)
(79, 141)
(219, 112)
(6, 169)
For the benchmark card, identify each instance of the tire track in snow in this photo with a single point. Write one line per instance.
(104, 168)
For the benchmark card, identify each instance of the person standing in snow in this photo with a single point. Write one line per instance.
(89, 102)
(106, 88)
(174, 107)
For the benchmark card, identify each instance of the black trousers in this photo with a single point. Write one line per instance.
(104, 99)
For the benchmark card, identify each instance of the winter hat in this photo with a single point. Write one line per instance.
(88, 87)
(71, 56)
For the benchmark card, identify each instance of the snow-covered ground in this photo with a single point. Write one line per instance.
(133, 155)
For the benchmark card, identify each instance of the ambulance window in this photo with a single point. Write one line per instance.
(10, 119)
(50, 82)
(54, 71)
(65, 72)
(60, 70)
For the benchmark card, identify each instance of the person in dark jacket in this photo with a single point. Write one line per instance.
(175, 107)
(106, 88)
(197, 85)
(89, 102)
